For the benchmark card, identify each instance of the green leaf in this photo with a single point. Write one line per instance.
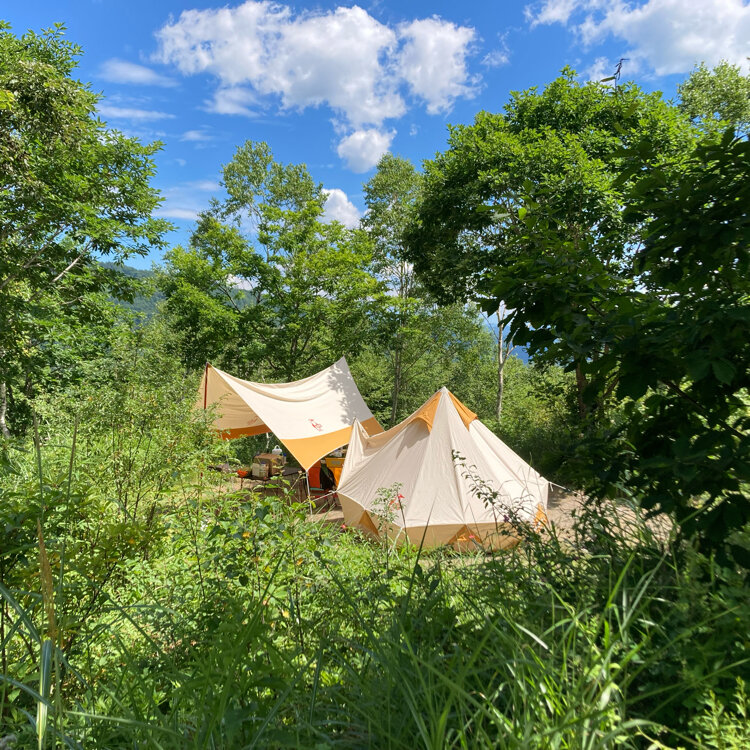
(723, 370)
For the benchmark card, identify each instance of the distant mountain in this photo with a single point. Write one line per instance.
(143, 303)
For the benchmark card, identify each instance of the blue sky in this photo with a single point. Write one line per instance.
(335, 85)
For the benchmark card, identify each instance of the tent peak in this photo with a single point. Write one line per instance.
(466, 414)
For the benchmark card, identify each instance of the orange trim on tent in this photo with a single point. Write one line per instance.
(540, 519)
(235, 432)
(427, 412)
(308, 450)
(466, 414)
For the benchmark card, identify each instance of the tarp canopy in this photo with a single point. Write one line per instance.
(440, 477)
(311, 417)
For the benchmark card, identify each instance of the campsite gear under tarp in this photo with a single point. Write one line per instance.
(274, 463)
(311, 417)
(434, 461)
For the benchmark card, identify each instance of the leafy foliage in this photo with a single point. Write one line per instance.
(71, 191)
(678, 349)
(147, 602)
(275, 291)
(647, 305)
(718, 98)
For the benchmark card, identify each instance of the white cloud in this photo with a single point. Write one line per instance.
(601, 68)
(169, 211)
(669, 36)
(186, 200)
(363, 148)
(433, 61)
(554, 11)
(122, 71)
(232, 100)
(315, 58)
(196, 136)
(342, 58)
(499, 56)
(207, 186)
(496, 58)
(340, 208)
(131, 113)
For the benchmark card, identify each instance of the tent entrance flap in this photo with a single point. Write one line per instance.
(311, 417)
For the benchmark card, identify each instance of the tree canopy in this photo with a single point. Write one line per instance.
(71, 192)
(266, 284)
(620, 247)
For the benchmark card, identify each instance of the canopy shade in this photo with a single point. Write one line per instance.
(435, 460)
(311, 417)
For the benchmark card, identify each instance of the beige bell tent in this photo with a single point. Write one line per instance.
(311, 417)
(436, 458)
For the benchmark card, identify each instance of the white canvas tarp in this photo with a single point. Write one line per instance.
(434, 461)
(311, 417)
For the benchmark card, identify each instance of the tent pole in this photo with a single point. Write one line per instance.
(309, 493)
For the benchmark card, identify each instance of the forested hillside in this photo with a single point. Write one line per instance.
(147, 298)
(149, 601)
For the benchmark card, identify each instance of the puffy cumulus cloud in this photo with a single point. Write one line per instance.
(668, 36)
(340, 208)
(342, 58)
(362, 149)
(336, 59)
(433, 61)
(333, 57)
(122, 71)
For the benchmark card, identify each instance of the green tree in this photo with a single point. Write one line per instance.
(539, 416)
(440, 346)
(420, 346)
(628, 264)
(561, 148)
(717, 99)
(266, 286)
(402, 315)
(72, 191)
(679, 350)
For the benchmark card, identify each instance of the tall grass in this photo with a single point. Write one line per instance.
(241, 624)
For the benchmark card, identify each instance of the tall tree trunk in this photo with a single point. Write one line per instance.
(4, 410)
(580, 387)
(502, 356)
